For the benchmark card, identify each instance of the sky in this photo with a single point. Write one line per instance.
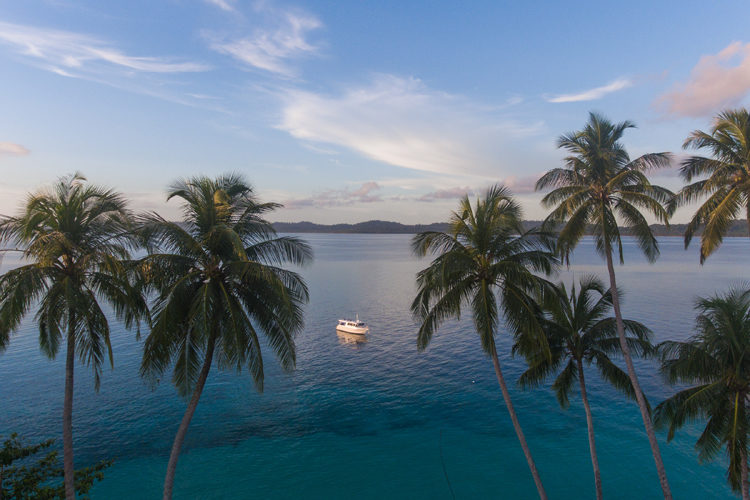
(350, 111)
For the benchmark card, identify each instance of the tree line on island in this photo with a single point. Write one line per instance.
(737, 228)
(215, 281)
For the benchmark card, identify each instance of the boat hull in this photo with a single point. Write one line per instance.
(352, 329)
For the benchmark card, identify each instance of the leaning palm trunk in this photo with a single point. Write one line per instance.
(486, 251)
(634, 380)
(517, 426)
(743, 472)
(590, 425)
(600, 185)
(68, 471)
(180, 436)
(218, 284)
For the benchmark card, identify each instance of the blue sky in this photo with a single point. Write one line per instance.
(350, 111)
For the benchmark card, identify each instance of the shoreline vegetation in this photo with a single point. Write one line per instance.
(736, 229)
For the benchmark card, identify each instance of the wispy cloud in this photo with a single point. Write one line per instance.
(717, 81)
(12, 149)
(226, 5)
(272, 49)
(592, 94)
(73, 54)
(366, 193)
(399, 121)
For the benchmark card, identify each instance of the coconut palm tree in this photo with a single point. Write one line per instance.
(599, 187)
(716, 362)
(579, 332)
(486, 255)
(727, 178)
(76, 238)
(217, 285)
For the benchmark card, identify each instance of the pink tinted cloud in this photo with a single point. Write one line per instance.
(716, 82)
(338, 197)
(516, 185)
(446, 194)
(12, 149)
(365, 190)
(521, 185)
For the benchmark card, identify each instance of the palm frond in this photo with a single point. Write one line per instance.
(564, 382)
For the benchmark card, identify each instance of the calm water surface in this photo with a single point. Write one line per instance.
(377, 419)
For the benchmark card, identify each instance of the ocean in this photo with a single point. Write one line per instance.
(376, 418)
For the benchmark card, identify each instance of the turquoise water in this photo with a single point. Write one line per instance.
(379, 419)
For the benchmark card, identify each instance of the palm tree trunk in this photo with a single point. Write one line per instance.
(517, 426)
(182, 430)
(69, 479)
(634, 380)
(590, 424)
(743, 474)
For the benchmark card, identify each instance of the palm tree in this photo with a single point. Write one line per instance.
(485, 251)
(716, 361)
(217, 284)
(727, 182)
(599, 187)
(579, 331)
(77, 240)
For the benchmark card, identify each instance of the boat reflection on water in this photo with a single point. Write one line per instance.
(356, 340)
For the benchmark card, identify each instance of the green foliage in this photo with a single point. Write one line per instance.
(217, 281)
(725, 178)
(600, 185)
(34, 472)
(716, 363)
(485, 256)
(578, 330)
(77, 239)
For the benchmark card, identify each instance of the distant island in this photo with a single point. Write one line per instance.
(369, 227)
(738, 228)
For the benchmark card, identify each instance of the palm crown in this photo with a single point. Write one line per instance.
(77, 238)
(218, 282)
(486, 248)
(601, 184)
(717, 361)
(579, 330)
(727, 178)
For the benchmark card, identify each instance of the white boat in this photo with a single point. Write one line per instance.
(352, 326)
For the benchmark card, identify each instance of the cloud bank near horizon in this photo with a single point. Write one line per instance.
(366, 193)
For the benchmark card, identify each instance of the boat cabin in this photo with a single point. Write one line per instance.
(346, 322)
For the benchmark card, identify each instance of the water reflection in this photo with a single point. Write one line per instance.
(355, 340)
